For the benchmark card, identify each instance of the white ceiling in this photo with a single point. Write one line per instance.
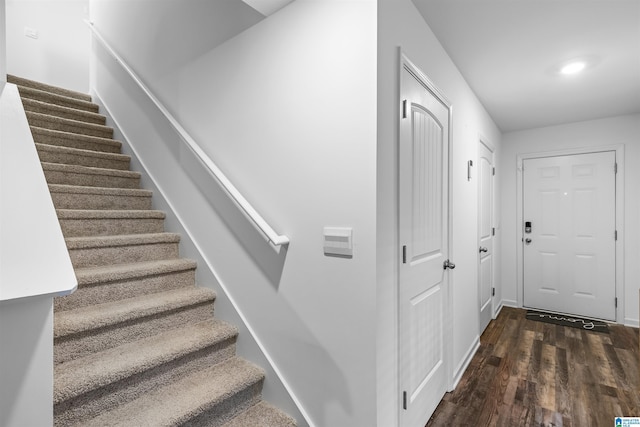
(509, 52)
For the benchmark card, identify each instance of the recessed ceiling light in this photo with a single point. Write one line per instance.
(573, 67)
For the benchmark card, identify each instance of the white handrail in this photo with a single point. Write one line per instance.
(275, 238)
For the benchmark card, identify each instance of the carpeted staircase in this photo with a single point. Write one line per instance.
(137, 344)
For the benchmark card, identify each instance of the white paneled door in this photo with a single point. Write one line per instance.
(569, 234)
(485, 234)
(424, 244)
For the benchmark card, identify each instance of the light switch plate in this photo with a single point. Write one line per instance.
(338, 241)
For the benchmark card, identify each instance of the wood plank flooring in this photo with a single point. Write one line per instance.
(529, 373)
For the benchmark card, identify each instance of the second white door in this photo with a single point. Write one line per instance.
(485, 234)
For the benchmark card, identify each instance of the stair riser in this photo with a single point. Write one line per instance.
(91, 180)
(73, 347)
(122, 289)
(76, 411)
(99, 201)
(229, 408)
(107, 146)
(101, 132)
(57, 111)
(58, 100)
(95, 257)
(110, 226)
(81, 160)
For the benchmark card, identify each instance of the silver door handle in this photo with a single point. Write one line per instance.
(448, 264)
(527, 241)
(483, 249)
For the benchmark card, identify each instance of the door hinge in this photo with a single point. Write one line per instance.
(616, 303)
(493, 292)
(615, 167)
(404, 254)
(615, 235)
(493, 171)
(493, 231)
(404, 400)
(404, 109)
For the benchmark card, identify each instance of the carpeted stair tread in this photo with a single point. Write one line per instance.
(67, 125)
(59, 173)
(110, 273)
(74, 140)
(107, 222)
(80, 157)
(97, 370)
(204, 395)
(21, 81)
(83, 197)
(36, 106)
(88, 170)
(99, 191)
(86, 242)
(114, 282)
(99, 316)
(109, 214)
(262, 415)
(93, 251)
(56, 99)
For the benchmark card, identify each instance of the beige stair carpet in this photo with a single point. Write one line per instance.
(137, 343)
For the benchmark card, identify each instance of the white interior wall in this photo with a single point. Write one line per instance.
(3, 46)
(595, 133)
(288, 111)
(401, 25)
(60, 54)
(26, 354)
(158, 38)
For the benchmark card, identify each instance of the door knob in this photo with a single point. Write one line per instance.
(448, 264)
(483, 249)
(527, 241)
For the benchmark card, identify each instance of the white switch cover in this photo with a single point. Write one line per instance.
(338, 241)
(31, 32)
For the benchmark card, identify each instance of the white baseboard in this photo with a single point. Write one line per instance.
(497, 311)
(459, 371)
(509, 303)
(634, 323)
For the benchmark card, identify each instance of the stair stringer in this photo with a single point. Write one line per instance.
(276, 389)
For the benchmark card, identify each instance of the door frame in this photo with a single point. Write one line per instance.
(403, 63)
(619, 206)
(482, 140)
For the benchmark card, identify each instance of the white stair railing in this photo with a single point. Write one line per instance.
(262, 225)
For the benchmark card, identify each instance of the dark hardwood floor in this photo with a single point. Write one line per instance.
(529, 373)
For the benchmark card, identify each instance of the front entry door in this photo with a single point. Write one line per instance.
(424, 247)
(485, 234)
(569, 234)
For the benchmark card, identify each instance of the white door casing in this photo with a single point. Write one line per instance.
(569, 257)
(424, 303)
(485, 233)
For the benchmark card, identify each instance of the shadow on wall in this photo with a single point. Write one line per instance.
(271, 261)
(295, 350)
